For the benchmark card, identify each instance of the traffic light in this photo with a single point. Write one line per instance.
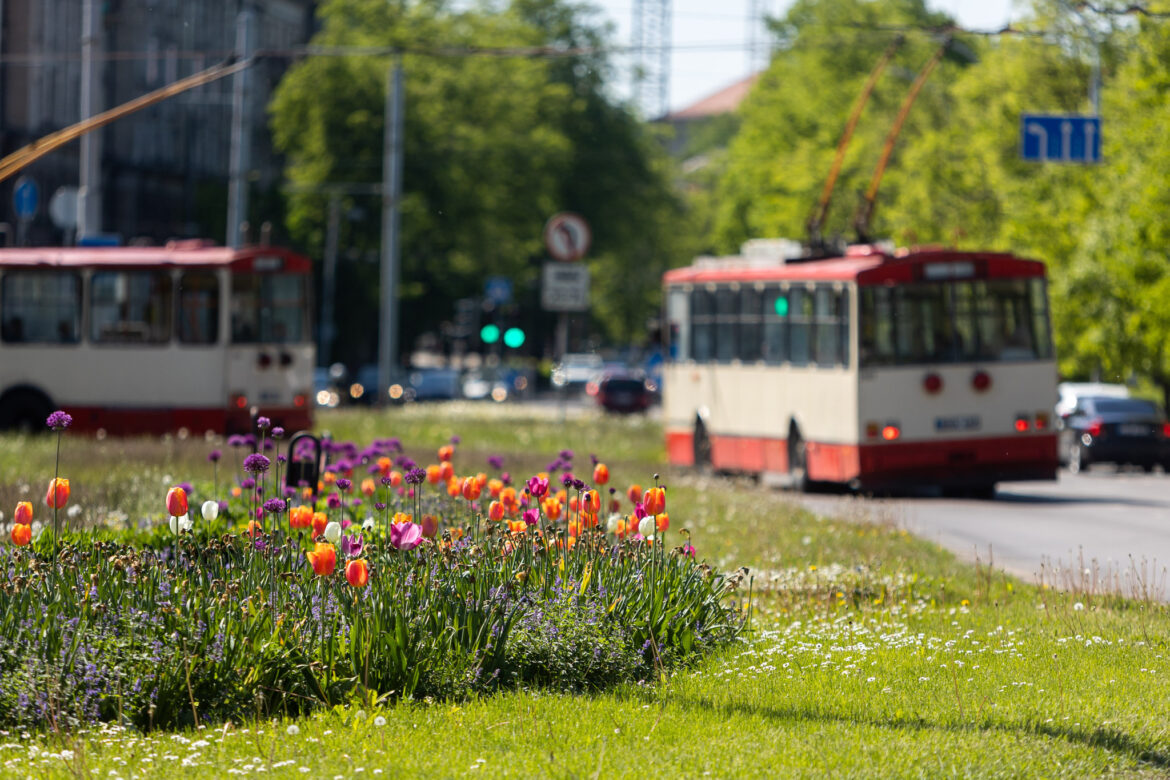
(490, 334)
(513, 337)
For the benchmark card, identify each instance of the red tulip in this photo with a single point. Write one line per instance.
(654, 501)
(601, 473)
(21, 534)
(323, 559)
(357, 573)
(176, 502)
(58, 495)
(23, 514)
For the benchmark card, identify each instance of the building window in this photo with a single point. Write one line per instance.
(39, 307)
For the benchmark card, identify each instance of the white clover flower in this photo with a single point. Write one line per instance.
(210, 510)
(333, 532)
(379, 721)
(1078, 606)
(293, 730)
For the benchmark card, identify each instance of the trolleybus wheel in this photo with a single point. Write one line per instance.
(702, 446)
(24, 409)
(797, 460)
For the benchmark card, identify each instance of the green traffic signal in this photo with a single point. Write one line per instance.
(489, 334)
(514, 337)
(782, 306)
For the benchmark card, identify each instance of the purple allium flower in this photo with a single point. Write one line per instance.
(59, 420)
(186, 487)
(394, 444)
(496, 462)
(269, 445)
(567, 480)
(278, 432)
(290, 491)
(415, 476)
(333, 501)
(386, 481)
(247, 484)
(456, 439)
(274, 506)
(593, 459)
(236, 440)
(566, 454)
(263, 423)
(214, 456)
(256, 463)
(579, 484)
(378, 505)
(223, 506)
(344, 484)
(281, 459)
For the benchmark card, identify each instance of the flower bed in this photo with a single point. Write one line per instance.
(414, 582)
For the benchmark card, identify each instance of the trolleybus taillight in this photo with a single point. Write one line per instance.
(891, 432)
(1041, 421)
(932, 383)
(1022, 423)
(1166, 430)
(981, 380)
(299, 400)
(240, 401)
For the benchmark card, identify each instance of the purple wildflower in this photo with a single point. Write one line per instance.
(274, 506)
(256, 463)
(415, 476)
(379, 506)
(496, 462)
(578, 484)
(59, 420)
(236, 440)
(567, 480)
(334, 501)
(456, 439)
(247, 484)
(566, 454)
(386, 481)
(278, 432)
(344, 484)
(214, 456)
(263, 423)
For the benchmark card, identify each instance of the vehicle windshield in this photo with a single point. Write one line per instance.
(955, 322)
(268, 308)
(1132, 406)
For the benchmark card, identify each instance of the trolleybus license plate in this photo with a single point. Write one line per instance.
(966, 422)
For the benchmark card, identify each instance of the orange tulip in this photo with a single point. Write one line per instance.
(634, 493)
(306, 492)
(654, 501)
(357, 573)
(446, 452)
(574, 529)
(481, 479)
(58, 495)
(517, 526)
(23, 514)
(433, 474)
(496, 511)
(384, 464)
(330, 478)
(395, 478)
(430, 526)
(454, 486)
(494, 487)
(300, 517)
(662, 522)
(601, 474)
(552, 508)
(589, 520)
(591, 502)
(509, 500)
(236, 492)
(176, 502)
(21, 534)
(323, 559)
(319, 521)
(402, 517)
(446, 470)
(255, 529)
(368, 487)
(471, 488)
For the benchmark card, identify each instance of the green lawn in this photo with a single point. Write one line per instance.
(872, 653)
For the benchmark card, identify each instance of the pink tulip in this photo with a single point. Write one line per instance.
(405, 536)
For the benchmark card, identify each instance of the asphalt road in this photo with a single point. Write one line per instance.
(1116, 525)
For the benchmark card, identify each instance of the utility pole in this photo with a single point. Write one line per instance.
(392, 152)
(332, 239)
(89, 194)
(241, 153)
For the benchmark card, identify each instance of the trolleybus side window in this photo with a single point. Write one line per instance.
(267, 308)
(130, 307)
(1040, 318)
(703, 325)
(726, 316)
(40, 307)
(800, 318)
(775, 325)
(678, 325)
(198, 308)
(750, 324)
(827, 319)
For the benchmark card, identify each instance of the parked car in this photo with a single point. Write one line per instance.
(434, 384)
(1102, 429)
(576, 369)
(623, 393)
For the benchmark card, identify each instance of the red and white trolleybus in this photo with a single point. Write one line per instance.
(188, 336)
(876, 369)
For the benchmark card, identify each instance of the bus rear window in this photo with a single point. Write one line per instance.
(38, 307)
(950, 322)
(198, 308)
(130, 307)
(268, 308)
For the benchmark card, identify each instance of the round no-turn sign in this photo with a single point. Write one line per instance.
(567, 236)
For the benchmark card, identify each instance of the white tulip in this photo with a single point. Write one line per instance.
(186, 523)
(368, 525)
(180, 524)
(210, 510)
(646, 527)
(333, 532)
(611, 525)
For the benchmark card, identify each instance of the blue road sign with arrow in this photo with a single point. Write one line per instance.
(1060, 138)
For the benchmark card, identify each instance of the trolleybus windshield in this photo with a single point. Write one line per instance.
(268, 308)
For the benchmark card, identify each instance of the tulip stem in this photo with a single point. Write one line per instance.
(56, 475)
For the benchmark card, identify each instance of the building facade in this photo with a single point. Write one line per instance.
(165, 169)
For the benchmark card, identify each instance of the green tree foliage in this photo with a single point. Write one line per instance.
(494, 145)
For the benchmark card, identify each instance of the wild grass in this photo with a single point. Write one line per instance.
(872, 654)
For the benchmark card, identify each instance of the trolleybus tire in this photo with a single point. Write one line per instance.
(24, 409)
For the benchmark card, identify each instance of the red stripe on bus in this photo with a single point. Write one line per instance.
(1030, 457)
(148, 422)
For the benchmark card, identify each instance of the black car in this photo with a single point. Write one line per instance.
(623, 394)
(1116, 430)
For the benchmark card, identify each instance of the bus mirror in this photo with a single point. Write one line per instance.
(304, 461)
